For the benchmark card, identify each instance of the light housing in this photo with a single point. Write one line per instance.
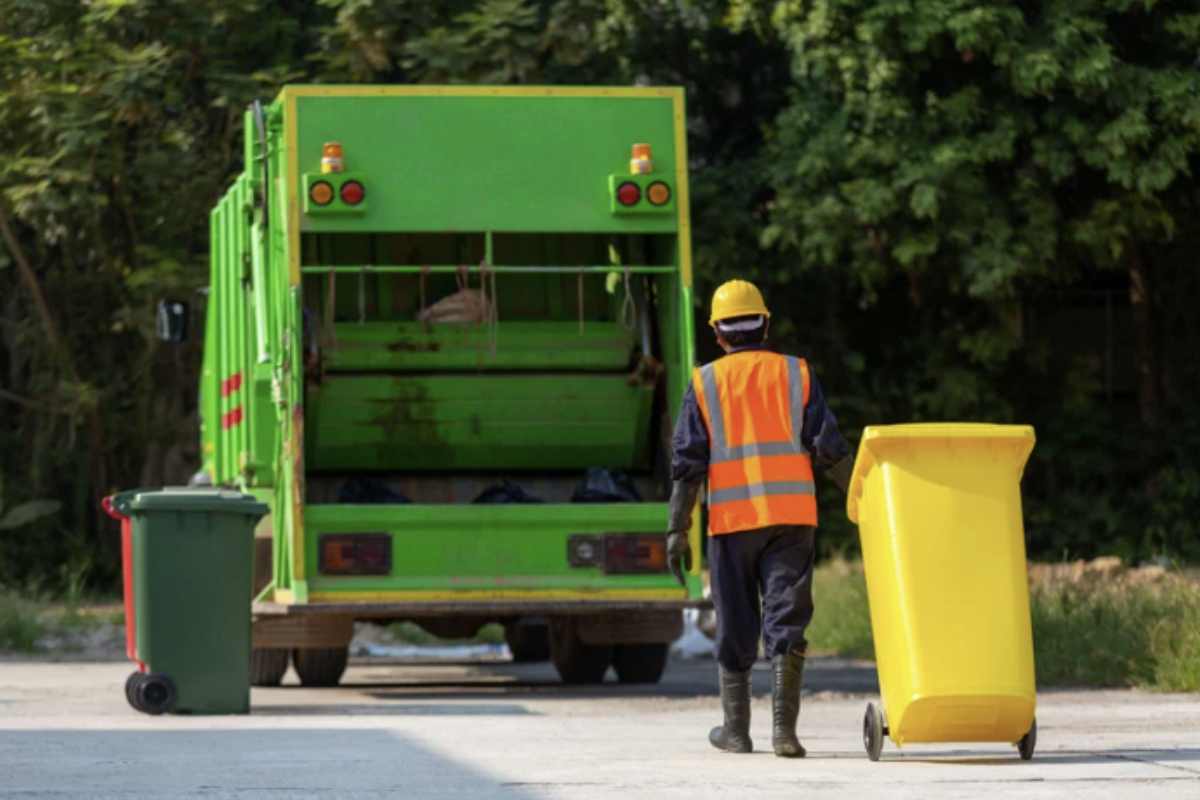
(619, 553)
(629, 195)
(354, 554)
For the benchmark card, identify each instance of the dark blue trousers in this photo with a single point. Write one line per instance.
(774, 564)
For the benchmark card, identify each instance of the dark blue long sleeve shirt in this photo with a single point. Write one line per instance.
(690, 446)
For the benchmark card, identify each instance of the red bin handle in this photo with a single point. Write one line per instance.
(111, 510)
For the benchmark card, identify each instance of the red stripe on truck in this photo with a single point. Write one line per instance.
(231, 384)
(232, 418)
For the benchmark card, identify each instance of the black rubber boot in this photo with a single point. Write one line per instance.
(785, 704)
(734, 735)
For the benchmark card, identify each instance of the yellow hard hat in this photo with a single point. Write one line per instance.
(737, 298)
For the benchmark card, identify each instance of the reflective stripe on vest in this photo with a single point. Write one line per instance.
(759, 473)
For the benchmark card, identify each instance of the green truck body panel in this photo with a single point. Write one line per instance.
(481, 421)
(522, 549)
(322, 364)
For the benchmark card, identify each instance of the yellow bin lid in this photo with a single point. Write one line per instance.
(932, 432)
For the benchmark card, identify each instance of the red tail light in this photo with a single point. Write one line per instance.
(353, 193)
(629, 193)
(636, 553)
(355, 554)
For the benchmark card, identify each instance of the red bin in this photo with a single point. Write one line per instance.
(116, 506)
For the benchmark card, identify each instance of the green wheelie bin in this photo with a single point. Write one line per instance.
(192, 552)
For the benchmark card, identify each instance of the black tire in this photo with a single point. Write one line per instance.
(155, 694)
(268, 665)
(1028, 742)
(575, 661)
(131, 686)
(527, 643)
(640, 663)
(873, 732)
(320, 666)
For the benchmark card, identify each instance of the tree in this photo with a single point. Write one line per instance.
(120, 124)
(986, 146)
(952, 159)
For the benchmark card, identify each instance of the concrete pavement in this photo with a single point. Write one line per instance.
(511, 731)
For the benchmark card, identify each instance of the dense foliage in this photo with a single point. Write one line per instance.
(959, 210)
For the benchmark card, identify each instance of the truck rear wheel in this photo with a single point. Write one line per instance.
(576, 661)
(527, 642)
(268, 665)
(320, 666)
(640, 663)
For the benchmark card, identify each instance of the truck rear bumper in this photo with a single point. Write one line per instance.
(494, 608)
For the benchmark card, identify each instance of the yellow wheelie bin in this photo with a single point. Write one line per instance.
(938, 508)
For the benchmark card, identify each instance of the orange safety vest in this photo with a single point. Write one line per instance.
(759, 473)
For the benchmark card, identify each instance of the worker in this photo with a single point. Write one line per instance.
(753, 424)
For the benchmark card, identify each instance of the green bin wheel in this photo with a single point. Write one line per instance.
(131, 684)
(640, 663)
(320, 666)
(527, 643)
(155, 694)
(575, 661)
(268, 665)
(873, 732)
(1028, 742)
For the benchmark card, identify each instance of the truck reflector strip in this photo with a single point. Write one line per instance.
(231, 419)
(231, 384)
(354, 554)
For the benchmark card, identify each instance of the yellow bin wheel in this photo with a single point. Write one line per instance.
(873, 732)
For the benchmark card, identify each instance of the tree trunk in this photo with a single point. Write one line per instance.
(1140, 297)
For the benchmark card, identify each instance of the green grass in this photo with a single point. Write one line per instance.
(1095, 632)
(20, 623)
(25, 620)
(1103, 633)
(841, 624)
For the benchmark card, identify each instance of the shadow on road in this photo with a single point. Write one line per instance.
(399, 680)
(394, 709)
(271, 762)
(959, 756)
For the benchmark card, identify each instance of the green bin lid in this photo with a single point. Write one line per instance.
(183, 498)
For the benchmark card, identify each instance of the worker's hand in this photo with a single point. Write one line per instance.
(841, 472)
(679, 555)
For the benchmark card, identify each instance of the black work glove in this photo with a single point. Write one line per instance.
(679, 555)
(841, 472)
(679, 550)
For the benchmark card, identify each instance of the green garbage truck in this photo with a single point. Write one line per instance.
(446, 336)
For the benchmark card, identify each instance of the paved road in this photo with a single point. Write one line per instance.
(505, 731)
